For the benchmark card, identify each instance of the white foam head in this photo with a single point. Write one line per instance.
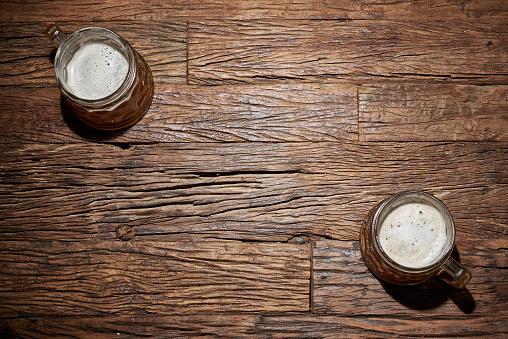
(413, 234)
(96, 70)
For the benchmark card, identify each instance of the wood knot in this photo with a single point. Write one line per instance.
(300, 240)
(125, 232)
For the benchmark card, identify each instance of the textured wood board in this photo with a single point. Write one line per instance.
(40, 10)
(429, 112)
(360, 51)
(388, 326)
(139, 277)
(222, 325)
(248, 191)
(279, 112)
(255, 325)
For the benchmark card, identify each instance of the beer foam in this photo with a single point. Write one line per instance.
(96, 70)
(413, 234)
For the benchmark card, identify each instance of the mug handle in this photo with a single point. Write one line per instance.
(55, 34)
(454, 274)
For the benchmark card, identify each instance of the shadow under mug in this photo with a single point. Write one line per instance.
(408, 238)
(108, 85)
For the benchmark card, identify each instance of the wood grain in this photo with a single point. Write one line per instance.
(278, 112)
(27, 56)
(233, 208)
(247, 191)
(344, 285)
(429, 112)
(224, 325)
(388, 326)
(138, 277)
(255, 325)
(40, 10)
(292, 112)
(285, 50)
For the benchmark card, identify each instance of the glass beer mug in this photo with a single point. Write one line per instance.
(408, 238)
(108, 85)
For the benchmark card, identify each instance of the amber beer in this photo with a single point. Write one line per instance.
(408, 238)
(105, 81)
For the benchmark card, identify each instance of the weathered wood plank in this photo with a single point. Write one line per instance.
(428, 112)
(249, 191)
(27, 55)
(139, 277)
(344, 285)
(283, 112)
(285, 50)
(255, 325)
(279, 112)
(329, 326)
(40, 10)
(222, 325)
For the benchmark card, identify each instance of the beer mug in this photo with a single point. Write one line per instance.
(408, 238)
(106, 82)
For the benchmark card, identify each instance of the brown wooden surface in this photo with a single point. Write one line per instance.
(356, 51)
(232, 209)
(432, 112)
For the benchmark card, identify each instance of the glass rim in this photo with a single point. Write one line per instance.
(127, 82)
(426, 197)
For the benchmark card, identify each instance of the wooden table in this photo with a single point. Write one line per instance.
(233, 208)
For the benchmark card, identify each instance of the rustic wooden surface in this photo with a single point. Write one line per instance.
(232, 209)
